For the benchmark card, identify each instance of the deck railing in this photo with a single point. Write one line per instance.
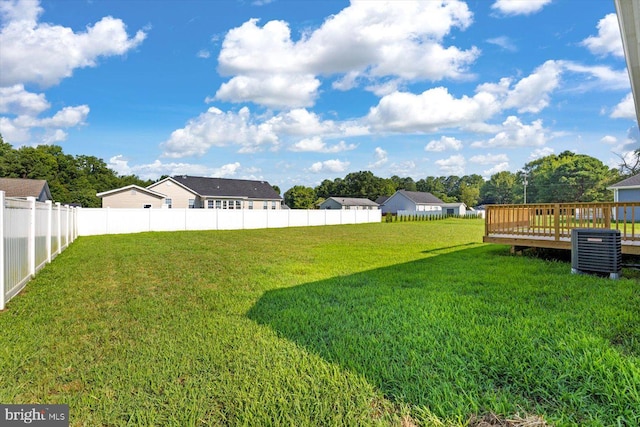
(554, 221)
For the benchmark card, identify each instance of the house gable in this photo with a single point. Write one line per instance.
(20, 187)
(131, 196)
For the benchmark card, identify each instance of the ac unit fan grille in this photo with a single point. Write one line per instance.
(596, 250)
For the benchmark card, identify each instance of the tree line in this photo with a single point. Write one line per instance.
(71, 179)
(566, 177)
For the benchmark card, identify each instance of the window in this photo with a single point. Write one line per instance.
(168, 202)
(218, 204)
(192, 203)
(265, 205)
(230, 204)
(449, 211)
(210, 204)
(238, 204)
(147, 206)
(250, 204)
(273, 205)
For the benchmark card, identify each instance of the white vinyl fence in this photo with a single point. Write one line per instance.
(32, 234)
(93, 221)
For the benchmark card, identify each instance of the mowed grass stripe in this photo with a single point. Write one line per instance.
(374, 324)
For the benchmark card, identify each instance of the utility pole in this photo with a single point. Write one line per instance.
(525, 187)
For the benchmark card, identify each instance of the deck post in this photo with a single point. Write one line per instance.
(556, 220)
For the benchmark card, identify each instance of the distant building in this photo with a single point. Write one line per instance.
(627, 190)
(348, 203)
(195, 192)
(21, 187)
(417, 201)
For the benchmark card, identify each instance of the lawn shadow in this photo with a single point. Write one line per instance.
(457, 333)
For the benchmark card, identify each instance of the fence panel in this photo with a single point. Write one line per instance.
(95, 221)
(42, 233)
(30, 235)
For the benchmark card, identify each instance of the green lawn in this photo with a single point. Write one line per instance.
(407, 323)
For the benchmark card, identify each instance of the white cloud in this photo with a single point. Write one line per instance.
(599, 77)
(317, 145)
(43, 53)
(16, 100)
(531, 94)
(275, 91)
(516, 134)
(67, 117)
(364, 42)
(405, 168)
(381, 157)
(430, 110)
(626, 109)
(519, 7)
(215, 128)
(26, 127)
(203, 53)
(453, 165)
(609, 140)
(157, 168)
(503, 42)
(489, 159)
(229, 169)
(500, 167)
(608, 41)
(329, 166)
(540, 152)
(443, 144)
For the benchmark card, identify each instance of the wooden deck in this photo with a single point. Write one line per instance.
(550, 225)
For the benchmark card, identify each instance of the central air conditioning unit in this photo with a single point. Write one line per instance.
(595, 250)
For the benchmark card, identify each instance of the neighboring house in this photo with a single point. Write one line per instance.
(20, 187)
(380, 200)
(348, 203)
(454, 208)
(403, 200)
(199, 192)
(131, 196)
(627, 190)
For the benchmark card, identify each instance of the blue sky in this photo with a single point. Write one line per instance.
(294, 92)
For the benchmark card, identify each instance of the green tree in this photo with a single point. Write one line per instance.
(569, 177)
(300, 197)
(406, 183)
(500, 189)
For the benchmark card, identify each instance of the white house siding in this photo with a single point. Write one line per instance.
(454, 209)
(179, 195)
(131, 198)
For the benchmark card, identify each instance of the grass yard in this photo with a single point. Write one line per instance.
(411, 323)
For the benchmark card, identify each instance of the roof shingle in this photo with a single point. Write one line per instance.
(224, 187)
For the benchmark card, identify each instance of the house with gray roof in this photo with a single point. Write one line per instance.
(627, 190)
(417, 201)
(348, 203)
(184, 191)
(21, 187)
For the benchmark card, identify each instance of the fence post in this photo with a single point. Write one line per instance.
(556, 219)
(49, 230)
(31, 240)
(68, 225)
(59, 229)
(2, 281)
